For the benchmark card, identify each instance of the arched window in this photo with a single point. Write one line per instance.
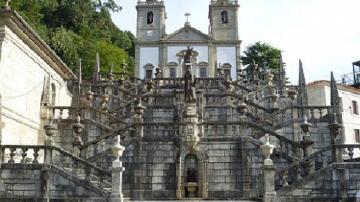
(224, 17)
(172, 66)
(53, 94)
(203, 69)
(149, 68)
(150, 17)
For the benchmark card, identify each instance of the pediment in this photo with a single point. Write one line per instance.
(188, 33)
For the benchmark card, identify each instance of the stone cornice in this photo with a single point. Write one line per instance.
(17, 24)
(184, 42)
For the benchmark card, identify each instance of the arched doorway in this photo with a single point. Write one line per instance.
(191, 176)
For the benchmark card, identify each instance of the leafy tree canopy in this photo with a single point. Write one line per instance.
(79, 29)
(261, 57)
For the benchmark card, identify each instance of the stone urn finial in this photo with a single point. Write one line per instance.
(305, 125)
(50, 130)
(118, 149)
(267, 149)
(292, 93)
(139, 108)
(335, 127)
(242, 108)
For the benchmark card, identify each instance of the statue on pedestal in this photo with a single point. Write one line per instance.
(189, 86)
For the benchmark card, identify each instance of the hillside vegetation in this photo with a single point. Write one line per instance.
(80, 29)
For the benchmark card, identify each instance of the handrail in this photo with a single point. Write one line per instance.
(302, 161)
(113, 134)
(272, 133)
(82, 161)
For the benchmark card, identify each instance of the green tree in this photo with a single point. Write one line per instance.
(80, 29)
(259, 58)
(110, 57)
(67, 45)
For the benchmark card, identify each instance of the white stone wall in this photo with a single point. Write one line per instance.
(173, 50)
(22, 77)
(148, 55)
(227, 54)
(320, 95)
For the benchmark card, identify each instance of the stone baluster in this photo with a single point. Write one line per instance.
(61, 113)
(117, 170)
(12, 154)
(351, 153)
(312, 114)
(23, 154)
(268, 171)
(36, 155)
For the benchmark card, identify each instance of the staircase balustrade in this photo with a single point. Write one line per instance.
(63, 160)
(297, 170)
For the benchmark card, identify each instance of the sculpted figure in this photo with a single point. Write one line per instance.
(189, 86)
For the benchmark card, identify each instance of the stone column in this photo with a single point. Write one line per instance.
(117, 170)
(50, 130)
(179, 177)
(268, 171)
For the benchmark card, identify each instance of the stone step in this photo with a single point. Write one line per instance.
(187, 200)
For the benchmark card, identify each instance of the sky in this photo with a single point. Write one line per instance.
(324, 34)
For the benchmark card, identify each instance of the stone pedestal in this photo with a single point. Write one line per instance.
(269, 182)
(116, 188)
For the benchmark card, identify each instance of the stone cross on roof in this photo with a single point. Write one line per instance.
(187, 15)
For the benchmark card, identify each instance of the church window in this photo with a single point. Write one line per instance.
(53, 94)
(357, 135)
(150, 17)
(203, 72)
(355, 108)
(172, 72)
(224, 17)
(148, 75)
(149, 71)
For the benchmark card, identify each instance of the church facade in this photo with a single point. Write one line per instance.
(218, 48)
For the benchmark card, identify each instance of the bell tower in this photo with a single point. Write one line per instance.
(150, 20)
(223, 16)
